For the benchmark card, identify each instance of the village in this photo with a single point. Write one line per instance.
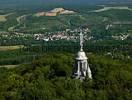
(68, 34)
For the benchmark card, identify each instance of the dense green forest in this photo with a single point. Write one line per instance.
(49, 78)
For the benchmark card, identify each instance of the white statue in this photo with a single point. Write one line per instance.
(81, 68)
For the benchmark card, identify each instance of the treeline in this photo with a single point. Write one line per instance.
(89, 46)
(49, 78)
(121, 50)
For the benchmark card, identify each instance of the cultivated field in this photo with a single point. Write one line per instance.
(109, 8)
(8, 48)
(8, 66)
(2, 18)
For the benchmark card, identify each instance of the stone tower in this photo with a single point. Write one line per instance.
(81, 67)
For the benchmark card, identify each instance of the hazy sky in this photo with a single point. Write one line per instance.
(55, 2)
(50, 1)
(46, 1)
(58, 1)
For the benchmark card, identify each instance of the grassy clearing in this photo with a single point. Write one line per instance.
(129, 30)
(3, 18)
(8, 66)
(8, 48)
(109, 8)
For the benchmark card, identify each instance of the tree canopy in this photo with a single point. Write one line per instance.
(49, 78)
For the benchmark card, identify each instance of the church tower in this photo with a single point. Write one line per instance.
(81, 68)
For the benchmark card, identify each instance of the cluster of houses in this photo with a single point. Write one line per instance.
(121, 37)
(68, 34)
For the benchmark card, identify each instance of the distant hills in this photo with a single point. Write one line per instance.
(11, 3)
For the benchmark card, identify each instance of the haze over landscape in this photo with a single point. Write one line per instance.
(64, 2)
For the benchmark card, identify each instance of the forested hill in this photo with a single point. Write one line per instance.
(49, 78)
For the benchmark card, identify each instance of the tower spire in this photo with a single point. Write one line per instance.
(81, 41)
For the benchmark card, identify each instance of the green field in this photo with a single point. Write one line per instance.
(8, 66)
(112, 8)
(2, 18)
(8, 48)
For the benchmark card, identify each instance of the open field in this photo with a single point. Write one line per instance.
(110, 8)
(8, 66)
(2, 18)
(8, 48)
